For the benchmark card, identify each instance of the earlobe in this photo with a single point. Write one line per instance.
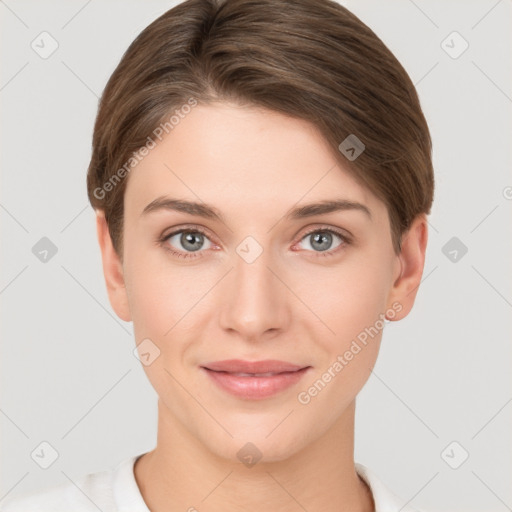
(411, 260)
(112, 270)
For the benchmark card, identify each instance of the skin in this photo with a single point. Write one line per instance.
(292, 303)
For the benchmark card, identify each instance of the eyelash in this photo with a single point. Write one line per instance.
(345, 241)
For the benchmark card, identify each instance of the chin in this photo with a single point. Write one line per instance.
(255, 446)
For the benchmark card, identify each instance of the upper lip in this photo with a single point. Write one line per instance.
(240, 366)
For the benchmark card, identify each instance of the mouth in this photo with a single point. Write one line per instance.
(268, 366)
(254, 380)
(240, 374)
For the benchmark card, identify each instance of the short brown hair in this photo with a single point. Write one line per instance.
(309, 59)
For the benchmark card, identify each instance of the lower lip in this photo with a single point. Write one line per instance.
(255, 388)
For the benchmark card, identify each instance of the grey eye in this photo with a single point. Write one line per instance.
(190, 241)
(322, 240)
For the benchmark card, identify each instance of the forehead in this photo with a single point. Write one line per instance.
(254, 158)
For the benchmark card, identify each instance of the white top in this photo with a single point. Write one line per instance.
(116, 490)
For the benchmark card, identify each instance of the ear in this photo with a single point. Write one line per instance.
(112, 270)
(409, 265)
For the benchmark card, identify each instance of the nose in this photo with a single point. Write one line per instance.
(254, 302)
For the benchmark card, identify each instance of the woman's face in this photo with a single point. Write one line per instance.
(260, 284)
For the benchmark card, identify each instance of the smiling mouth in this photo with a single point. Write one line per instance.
(252, 368)
(241, 374)
(255, 385)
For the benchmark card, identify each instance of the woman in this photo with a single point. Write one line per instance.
(261, 173)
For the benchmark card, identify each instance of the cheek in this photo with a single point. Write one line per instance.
(165, 310)
(351, 305)
(350, 301)
(162, 294)
(346, 299)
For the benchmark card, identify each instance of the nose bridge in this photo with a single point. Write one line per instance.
(256, 301)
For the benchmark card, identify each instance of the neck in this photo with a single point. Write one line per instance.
(181, 474)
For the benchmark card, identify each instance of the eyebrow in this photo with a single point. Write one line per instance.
(210, 212)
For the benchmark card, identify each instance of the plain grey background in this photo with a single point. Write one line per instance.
(441, 388)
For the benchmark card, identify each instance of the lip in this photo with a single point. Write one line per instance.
(225, 375)
(240, 366)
